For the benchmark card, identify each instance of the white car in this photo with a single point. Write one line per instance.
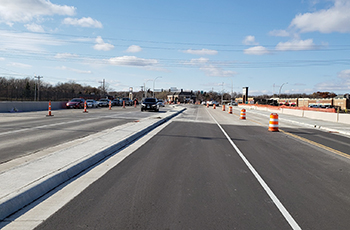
(91, 103)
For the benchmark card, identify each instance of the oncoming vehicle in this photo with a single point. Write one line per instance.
(90, 103)
(150, 104)
(75, 103)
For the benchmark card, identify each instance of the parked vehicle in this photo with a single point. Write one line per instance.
(116, 102)
(75, 103)
(127, 101)
(90, 103)
(103, 102)
(150, 104)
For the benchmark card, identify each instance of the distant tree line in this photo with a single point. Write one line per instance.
(29, 89)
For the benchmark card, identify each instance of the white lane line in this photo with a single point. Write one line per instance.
(45, 126)
(274, 198)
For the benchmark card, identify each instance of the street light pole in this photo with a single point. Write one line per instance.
(279, 93)
(145, 89)
(154, 83)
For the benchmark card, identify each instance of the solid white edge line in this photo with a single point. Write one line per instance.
(274, 198)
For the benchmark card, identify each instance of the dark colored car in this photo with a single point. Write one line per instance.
(126, 100)
(75, 103)
(150, 104)
(116, 102)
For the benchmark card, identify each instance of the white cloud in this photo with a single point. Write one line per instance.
(19, 65)
(132, 61)
(256, 50)
(26, 10)
(197, 61)
(342, 83)
(75, 70)
(27, 42)
(296, 45)
(35, 28)
(101, 45)
(250, 40)
(279, 33)
(65, 55)
(333, 19)
(210, 69)
(214, 71)
(83, 22)
(201, 52)
(134, 49)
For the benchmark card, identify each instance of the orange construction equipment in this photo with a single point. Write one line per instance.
(230, 109)
(223, 107)
(110, 104)
(85, 111)
(273, 124)
(49, 110)
(243, 114)
(214, 106)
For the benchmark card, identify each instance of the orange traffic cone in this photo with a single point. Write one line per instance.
(214, 106)
(49, 115)
(85, 111)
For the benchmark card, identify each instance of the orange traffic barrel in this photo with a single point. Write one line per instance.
(223, 107)
(230, 109)
(214, 106)
(243, 114)
(207, 105)
(273, 124)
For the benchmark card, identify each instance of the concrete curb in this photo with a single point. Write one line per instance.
(24, 195)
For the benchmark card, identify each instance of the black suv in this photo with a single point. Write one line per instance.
(150, 104)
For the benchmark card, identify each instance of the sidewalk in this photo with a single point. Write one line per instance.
(20, 185)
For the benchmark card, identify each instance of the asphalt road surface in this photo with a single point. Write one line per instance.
(23, 134)
(209, 170)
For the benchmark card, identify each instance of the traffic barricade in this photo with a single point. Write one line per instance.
(273, 124)
(243, 114)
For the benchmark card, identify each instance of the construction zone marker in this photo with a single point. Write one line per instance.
(230, 109)
(273, 124)
(214, 106)
(223, 107)
(49, 115)
(85, 110)
(243, 114)
(110, 105)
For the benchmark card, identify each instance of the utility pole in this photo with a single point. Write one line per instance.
(38, 77)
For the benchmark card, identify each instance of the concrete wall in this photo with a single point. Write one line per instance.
(27, 106)
(334, 117)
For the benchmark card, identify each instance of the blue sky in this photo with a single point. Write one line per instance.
(192, 45)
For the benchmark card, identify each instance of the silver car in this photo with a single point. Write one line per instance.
(91, 103)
